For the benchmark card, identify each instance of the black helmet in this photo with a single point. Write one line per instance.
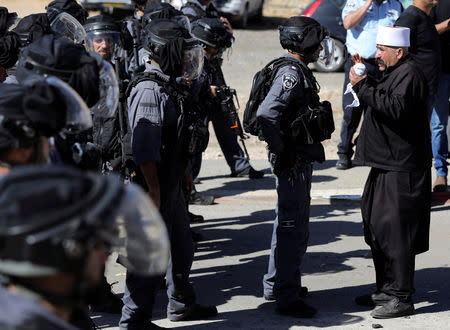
(9, 49)
(212, 32)
(59, 57)
(168, 43)
(101, 23)
(71, 7)
(40, 108)
(7, 19)
(31, 28)
(158, 10)
(101, 27)
(52, 216)
(301, 34)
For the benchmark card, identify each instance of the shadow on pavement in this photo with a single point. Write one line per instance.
(249, 240)
(236, 186)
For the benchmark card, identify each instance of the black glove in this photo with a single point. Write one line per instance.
(282, 161)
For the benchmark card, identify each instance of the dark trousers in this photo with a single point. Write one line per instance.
(396, 212)
(227, 138)
(140, 291)
(352, 116)
(290, 236)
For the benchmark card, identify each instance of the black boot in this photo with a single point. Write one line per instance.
(394, 308)
(344, 162)
(195, 312)
(297, 309)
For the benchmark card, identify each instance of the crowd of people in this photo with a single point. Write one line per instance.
(104, 118)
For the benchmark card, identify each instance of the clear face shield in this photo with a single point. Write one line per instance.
(326, 54)
(103, 42)
(67, 26)
(109, 93)
(193, 62)
(138, 234)
(78, 116)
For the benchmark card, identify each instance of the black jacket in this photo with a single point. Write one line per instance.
(395, 133)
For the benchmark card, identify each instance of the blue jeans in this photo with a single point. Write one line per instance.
(290, 236)
(439, 120)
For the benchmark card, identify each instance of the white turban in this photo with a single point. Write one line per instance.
(393, 36)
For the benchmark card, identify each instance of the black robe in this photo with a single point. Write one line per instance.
(395, 142)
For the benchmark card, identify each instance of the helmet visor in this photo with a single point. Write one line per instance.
(67, 26)
(77, 116)
(138, 234)
(109, 92)
(193, 62)
(326, 54)
(102, 39)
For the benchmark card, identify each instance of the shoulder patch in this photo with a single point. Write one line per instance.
(289, 81)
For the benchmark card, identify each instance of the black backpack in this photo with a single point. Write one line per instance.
(262, 82)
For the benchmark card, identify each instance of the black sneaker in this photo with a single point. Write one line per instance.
(199, 199)
(195, 218)
(394, 308)
(196, 312)
(303, 294)
(298, 309)
(249, 172)
(374, 299)
(344, 163)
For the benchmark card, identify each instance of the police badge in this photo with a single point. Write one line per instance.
(289, 81)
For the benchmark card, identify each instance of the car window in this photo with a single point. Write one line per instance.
(339, 3)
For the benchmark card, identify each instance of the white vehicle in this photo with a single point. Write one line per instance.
(240, 10)
(237, 10)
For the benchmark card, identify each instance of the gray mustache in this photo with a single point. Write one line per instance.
(379, 61)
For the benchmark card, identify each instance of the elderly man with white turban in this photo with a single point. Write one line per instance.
(395, 142)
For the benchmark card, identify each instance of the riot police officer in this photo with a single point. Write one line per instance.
(93, 79)
(227, 138)
(155, 106)
(110, 132)
(293, 91)
(57, 226)
(31, 113)
(103, 35)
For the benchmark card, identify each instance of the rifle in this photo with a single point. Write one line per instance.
(226, 95)
(124, 171)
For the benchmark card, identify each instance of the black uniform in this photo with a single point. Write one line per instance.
(425, 47)
(395, 142)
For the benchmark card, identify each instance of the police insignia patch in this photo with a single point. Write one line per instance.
(289, 81)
